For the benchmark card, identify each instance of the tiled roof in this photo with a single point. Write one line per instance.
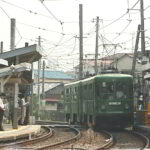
(55, 75)
(107, 60)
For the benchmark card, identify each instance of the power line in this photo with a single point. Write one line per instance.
(61, 23)
(123, 30)
(40, 28)
(16, 27)
(5, 12)
(30, 11)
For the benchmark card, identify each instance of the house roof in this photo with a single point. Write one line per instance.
(54, 75)
(106, 60)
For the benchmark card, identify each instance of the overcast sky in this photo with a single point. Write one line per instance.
(57, 22)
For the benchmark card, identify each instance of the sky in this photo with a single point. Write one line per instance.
(57, 23)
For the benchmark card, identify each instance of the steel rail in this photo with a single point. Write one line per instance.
(144, 138)
(109, 143)
(78, 135)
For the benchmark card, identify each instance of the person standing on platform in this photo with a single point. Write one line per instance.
(22, 104)
(11, 106)
(2, 109)
(26, 121)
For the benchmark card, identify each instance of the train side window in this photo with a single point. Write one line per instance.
(97, 89)
(70, 91)
(67, 91)
(90, 86)
(85, 87)
(75, 90)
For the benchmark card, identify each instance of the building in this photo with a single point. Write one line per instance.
(53, 87)
(54, 98)
(122, 62)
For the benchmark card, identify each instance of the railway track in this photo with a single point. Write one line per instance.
(129, 140)
(68, 137)
(30, 141)
(46, 141)
(61, 139)
(91, 140)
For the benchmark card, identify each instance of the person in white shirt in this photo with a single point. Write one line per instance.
(23, 108)
(2, 109)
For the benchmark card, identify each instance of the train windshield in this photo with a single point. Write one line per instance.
(122, 90)
(105, 90)
(112, 90)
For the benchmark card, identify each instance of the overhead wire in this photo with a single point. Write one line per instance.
(119, 19)
(30, 11)
(15, 27)
(122, 30)
(61, 23)
(114, 21)
(5, 12)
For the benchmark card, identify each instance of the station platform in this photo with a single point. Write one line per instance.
(21, 132)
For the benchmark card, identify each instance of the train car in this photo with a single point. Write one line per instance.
(102, 100)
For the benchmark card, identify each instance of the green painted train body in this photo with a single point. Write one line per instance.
(102, 100)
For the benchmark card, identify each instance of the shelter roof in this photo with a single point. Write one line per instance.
(3, 63)
(15, 69)
(25, 54)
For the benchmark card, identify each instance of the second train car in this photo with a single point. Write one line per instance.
(102, 100)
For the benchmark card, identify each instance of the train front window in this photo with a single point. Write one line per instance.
(105, 90)
(122, 90)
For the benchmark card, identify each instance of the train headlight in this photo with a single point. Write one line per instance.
(126, 106)
(103, 107)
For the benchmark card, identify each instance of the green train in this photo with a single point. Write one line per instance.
(102, 100)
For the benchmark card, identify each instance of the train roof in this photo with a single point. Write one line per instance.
(116, 75)
(73, 83)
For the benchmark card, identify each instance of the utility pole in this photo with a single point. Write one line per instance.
(142, 39)
(142, 30)
(12, 47)
(1, 47)
(80, 42)
(31, 101)
(43, 80)
(96, 47)
(12, 34)
(135, 51)
(39, 69)
(143, 49)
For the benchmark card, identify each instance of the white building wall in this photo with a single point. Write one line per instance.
(125, 64)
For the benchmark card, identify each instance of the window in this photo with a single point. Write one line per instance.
(85, 87)
(67, 91)
(76, 89)
(123, 90)
(105, 90)
(90, 86)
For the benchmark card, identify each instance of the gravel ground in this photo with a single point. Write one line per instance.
(89, 140)
(125, 140)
